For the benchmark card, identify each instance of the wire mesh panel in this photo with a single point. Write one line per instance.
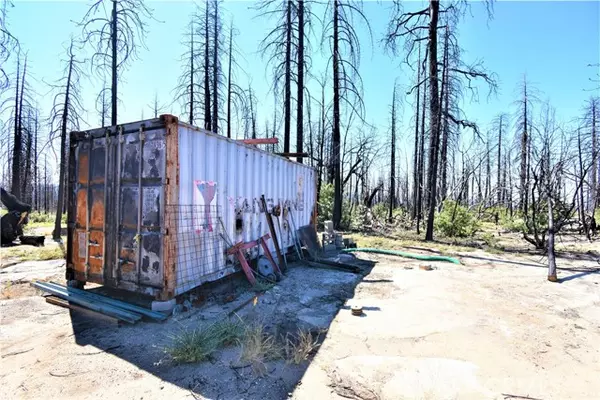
(197, 243)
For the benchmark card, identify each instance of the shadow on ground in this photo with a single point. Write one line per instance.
(308, 299)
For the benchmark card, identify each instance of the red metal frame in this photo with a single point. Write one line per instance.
(238, 250)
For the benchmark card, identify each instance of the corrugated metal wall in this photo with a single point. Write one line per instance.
(230, 179)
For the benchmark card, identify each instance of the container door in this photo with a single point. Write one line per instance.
(90, 228)
(139, 212)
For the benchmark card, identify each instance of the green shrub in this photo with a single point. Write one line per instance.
(514, 224)
(456, 221)
(380, 211)
(325, 204)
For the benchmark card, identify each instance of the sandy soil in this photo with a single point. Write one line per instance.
(492, 328)
(51, 352)
(482, 330)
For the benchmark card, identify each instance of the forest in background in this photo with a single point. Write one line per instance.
(525, 168)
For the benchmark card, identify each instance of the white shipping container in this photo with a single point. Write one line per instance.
(155, 204)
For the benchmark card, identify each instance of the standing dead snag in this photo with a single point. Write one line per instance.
(281, 49)
(115, 38)
(188, 88)
(393, 159)
(65, 116)
(412, 28)
(300, 64)
(347, 84)
(8, 43)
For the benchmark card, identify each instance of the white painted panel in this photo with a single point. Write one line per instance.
(241, 173)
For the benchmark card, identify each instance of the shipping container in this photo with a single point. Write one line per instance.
(153, 205)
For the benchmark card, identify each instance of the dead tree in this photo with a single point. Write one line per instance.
(235, 94)
(8, 43)
(590, 122)
(115, 38)
(417, 148)
(280, 48)
(156, 107)
(412, 28)
(499, 124)
(188, 86)
(347, 85)
(21, 105)
(393, 158)
(300, 79)
(103, 104)
(523, 126)
(64, 117)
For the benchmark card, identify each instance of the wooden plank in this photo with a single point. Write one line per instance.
(260, 141)
(101, 308)
(113, 302)
(293, 154)
(171, 199)
(83, 315)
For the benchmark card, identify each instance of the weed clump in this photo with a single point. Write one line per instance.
(199, 344)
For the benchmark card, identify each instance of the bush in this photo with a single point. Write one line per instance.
(514, 224)
(325, 204)
(380, 211)
(456, 221)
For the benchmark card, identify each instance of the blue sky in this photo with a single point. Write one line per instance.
(553, 42)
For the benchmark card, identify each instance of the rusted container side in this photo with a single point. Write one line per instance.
(117, 180)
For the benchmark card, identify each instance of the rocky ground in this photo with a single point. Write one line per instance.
(490, 328)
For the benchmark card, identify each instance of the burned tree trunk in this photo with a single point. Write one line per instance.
(417, 149)
(114, 82)
(299, 118)
(524, 154)
(422, 159)
(215, 68)
(288, 78)
(207, 110)
(337, 203)
(393, 160)
(434, 111)
(16, 153)
(63, 153)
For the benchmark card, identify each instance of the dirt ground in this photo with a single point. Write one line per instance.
(491, 328)
(482, 330)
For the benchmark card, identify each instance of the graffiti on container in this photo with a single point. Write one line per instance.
(207, 191)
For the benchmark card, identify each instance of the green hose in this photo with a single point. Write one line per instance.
(403, 254)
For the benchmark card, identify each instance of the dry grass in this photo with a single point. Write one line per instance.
(31, 253)
(17, 289)
(403, 240)
(298, 349)
(258, 348)
(196, 345)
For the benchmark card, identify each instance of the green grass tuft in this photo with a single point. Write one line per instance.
(196, 345)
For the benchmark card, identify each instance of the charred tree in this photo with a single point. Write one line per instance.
(393, 160)
(347, 85)
(65, 116)
(115, 38)
(417, 149)
(17, 141)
